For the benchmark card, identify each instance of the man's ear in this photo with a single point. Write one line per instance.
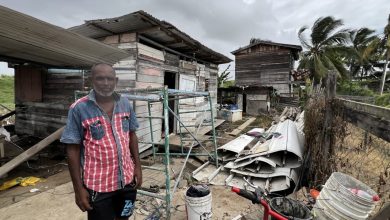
(116, 80)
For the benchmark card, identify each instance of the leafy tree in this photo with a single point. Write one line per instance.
(326, 48)
(223, 76)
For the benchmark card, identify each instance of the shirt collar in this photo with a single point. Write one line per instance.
(92, 96)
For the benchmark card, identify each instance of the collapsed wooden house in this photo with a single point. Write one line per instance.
(153, 53)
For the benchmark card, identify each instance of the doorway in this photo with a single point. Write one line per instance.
(170, 79)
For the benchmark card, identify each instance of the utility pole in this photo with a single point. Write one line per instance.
(387, 55)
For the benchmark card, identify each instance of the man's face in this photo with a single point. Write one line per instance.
(104, 80)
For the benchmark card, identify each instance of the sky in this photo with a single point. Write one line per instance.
(222, 25)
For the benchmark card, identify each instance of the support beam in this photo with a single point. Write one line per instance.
(30, 152)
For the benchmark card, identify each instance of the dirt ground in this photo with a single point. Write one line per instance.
(56, 201)
(55, 197)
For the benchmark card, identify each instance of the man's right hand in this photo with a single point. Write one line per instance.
(82, 199)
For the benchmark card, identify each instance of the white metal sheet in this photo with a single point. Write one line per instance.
(237, 145)
(286, 140)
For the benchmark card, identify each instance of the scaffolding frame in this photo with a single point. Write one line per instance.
(163, 95)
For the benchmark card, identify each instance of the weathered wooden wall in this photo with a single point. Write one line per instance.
(265, 65)
(42, 117)
(28, 83)
(145, 67)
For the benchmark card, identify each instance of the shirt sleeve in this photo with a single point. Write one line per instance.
(133, 120)
(73, 132)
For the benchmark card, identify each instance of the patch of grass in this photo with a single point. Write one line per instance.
(383, 100)
(7, 91)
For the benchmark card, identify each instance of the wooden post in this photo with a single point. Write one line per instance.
(30, 152)
(328, 138)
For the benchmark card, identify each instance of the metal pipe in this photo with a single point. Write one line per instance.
(200, 168)
(145, 90)
(185, 92)
(174, 115)
(151, 132)
(213, 129)
(141, 98)
(192, 111)
(167, 176)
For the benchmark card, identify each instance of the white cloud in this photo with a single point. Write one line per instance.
(222, 25)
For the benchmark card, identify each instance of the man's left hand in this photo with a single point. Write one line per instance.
(138, 176)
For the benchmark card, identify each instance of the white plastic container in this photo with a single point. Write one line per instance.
(199, 208)
(337, 201)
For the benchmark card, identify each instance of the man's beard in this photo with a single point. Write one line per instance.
(104, 94)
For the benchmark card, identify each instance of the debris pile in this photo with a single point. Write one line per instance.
(270, 159)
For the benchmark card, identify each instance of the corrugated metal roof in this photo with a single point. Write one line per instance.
(290, 46)
(154, 29)
(25, 38)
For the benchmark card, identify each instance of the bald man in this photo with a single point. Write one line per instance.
(102, 149)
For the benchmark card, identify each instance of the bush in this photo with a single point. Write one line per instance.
(353, 89)
(383, 100)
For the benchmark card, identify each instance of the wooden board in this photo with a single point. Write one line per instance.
(238, 130)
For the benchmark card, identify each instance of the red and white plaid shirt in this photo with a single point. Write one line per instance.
(105, 154)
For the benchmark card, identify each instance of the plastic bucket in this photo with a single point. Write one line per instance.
(198, 208)
(337, 201)
(290, 209)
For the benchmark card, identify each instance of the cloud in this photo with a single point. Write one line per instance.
(222, 25)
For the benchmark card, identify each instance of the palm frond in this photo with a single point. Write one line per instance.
(340, 37)
(323, 27)
(302, 38)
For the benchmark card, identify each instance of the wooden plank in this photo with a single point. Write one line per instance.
(374, 125)
(150, 52)
(30, 152)
(206, 129)
(374, 110)
(238, 130)
(128, 38)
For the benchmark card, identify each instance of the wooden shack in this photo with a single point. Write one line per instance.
(145, 51)
(266, 63)
(49, 64)
(252, 100)
(161, 55)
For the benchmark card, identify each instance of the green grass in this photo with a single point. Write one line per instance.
(7, 91)
(383, 100)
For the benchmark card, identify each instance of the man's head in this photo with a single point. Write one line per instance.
(103, 79)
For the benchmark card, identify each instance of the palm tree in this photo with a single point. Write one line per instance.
(223, 77)
(363, 51)
(325, 49)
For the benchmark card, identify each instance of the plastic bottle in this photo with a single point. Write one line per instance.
(364, 194)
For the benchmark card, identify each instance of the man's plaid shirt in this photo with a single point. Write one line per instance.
(105, 154)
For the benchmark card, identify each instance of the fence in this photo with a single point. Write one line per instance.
(349, 137)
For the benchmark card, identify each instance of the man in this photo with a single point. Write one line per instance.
(102, 149)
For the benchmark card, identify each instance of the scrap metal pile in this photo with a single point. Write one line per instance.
(268, 158)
